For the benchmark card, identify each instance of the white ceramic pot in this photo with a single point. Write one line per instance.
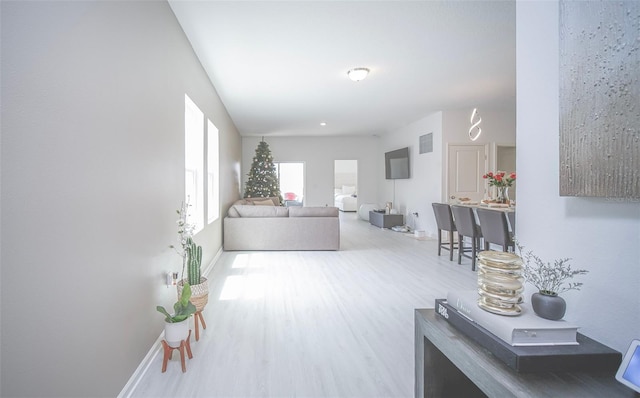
(174, 333)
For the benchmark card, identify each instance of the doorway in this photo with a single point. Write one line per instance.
(345, 184)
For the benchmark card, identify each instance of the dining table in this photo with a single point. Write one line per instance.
(486, 205)
(505, 208)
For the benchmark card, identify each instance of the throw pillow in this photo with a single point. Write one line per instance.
(266, 202)
(348, 189)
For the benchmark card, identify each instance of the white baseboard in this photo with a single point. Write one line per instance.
(141, 370)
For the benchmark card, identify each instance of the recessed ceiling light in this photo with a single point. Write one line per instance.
(323, 123)
(357, 74)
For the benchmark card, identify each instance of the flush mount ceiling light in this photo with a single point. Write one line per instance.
(475, 130)
(357, 74)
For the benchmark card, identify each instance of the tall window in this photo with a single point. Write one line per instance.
(213, 172)
(194, 162)
(291, 177)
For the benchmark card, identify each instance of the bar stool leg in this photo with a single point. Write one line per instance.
(451, 238)
(474, 248)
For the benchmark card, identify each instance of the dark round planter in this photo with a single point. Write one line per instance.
(548, 307)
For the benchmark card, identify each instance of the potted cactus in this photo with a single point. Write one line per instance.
(191, 261)
(199, 284)
(194, 282)
(176, 326)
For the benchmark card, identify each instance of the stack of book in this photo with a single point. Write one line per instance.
(526, 343)
(525, 329)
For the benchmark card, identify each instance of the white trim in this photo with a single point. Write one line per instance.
(141, 370)
(212, 264)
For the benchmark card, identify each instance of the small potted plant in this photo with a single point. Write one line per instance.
(502, 182)
(551, 279)
(176, 326)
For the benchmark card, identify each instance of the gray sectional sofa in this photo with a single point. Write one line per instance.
(252, 226)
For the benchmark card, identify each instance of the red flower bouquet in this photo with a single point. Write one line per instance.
(500, 179)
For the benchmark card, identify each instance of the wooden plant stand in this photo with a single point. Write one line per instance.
(198, 316)
(168, 352)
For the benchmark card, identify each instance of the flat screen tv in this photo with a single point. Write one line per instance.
(396, 164)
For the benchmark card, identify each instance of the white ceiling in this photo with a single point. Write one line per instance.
(280, 67)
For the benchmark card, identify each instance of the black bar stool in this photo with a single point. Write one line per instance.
(444, 220)
(495, 229)
(467, 226)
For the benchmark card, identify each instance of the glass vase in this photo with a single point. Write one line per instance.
(503, 195)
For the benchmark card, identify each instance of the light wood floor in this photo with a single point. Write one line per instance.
(314, 324)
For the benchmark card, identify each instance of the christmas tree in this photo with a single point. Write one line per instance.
(263, 180)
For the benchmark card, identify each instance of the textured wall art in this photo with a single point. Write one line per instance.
(600, 98)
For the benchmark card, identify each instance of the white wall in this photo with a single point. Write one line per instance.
(602, 236)
(92, 173)
(424, 187)
(318, 154)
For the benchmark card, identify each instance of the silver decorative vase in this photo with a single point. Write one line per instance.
(548, 307)
(500, 282)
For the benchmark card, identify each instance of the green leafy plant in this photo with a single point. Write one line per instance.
(549, 278)
(183, 308)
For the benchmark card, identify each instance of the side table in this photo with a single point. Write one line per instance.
(383, 220)
(448, 363)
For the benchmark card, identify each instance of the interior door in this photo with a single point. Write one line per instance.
(465, 167)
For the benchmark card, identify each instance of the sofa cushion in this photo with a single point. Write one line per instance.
(313, 211)
(252, 211)
(233, 212)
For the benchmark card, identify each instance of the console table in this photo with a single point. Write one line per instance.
(383, 220)
(449, 364)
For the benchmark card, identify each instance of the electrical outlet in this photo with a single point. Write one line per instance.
(172, 278)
